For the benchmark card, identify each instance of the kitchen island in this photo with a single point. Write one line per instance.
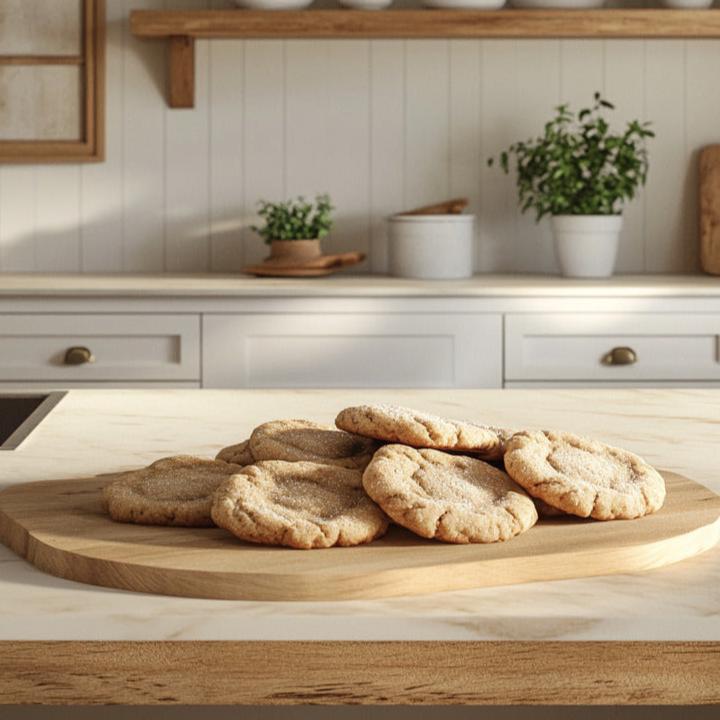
(647, 638)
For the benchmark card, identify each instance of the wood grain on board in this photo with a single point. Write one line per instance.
(61, 528)
(360, 673)
(710, 209)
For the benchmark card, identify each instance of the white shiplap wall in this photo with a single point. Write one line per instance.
(381, 125)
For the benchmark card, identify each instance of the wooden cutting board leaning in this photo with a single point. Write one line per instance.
(710, 209)
(60, 527)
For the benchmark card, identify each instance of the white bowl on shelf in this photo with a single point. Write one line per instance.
(558, 4)
(273, 4)
(465, 4)
(365, 4)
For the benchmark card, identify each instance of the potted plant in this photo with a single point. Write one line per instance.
(294, 228)
(581, 173)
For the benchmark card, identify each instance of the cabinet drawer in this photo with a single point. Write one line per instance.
(352, 350)
(124, 347)
(572, 346)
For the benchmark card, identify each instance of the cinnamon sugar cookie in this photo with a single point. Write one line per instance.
(395, 424)
(298, 504)
(172, 491)
(584, 477)
(302, 440)
(452, 498)
(238, 454)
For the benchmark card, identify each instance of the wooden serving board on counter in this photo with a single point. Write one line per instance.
(60, 527)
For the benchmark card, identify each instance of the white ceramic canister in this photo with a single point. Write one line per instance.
(431, 247)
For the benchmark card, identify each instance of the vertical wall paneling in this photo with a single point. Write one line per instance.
(263, 134)
(348, 143)
(381, 125)
(57, 223)
(143, 142)
(466, 146)
(101, 184)
(665, 206)
(624, 82)
(702, 118)
(538, 91)
(187, 171)
(387, 132)
(17, 218)
(427, 122)
(499, 111)
(226, 102)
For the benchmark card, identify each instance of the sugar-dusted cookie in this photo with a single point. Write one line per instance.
(302, 440)
(547, 511)
(395, 424)
(237, 454)
(172, 491)
(453, 498)
(584, 477)
(298, 504)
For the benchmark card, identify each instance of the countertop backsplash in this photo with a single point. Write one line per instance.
(381, 125)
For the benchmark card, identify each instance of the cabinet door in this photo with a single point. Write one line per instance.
(352, 350)
(579, 346)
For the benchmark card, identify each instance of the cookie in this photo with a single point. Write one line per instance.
(395, 424)
(305, 441)
(584, 477)
(453, 498)
(172, 491)
(299, 505)
(238, 454)
(545, 510)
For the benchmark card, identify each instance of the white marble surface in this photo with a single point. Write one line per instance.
(99, 431)
(347, 285)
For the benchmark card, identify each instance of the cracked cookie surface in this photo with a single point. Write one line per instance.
(302, 440)
(453, 498)
(584, 477)
(298, 504)
(395, 424)
(237, 454)
(173, 491)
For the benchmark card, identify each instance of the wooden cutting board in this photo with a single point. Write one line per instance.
(710, 209)
(59, 526)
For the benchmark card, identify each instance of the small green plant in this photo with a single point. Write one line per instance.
(579, 166)
(295, 219)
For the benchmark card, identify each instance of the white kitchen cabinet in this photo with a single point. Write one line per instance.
(352, 350)
(576, 346)
(136, 348)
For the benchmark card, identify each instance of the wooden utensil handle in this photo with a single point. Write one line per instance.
(448, 207)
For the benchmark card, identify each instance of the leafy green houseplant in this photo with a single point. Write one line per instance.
(295, 219)
(581, 172)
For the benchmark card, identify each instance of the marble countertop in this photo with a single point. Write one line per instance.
(346, 285)
(96, 431)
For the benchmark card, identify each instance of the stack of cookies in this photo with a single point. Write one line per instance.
(304, 485)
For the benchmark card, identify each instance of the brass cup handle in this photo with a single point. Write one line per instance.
(620, 356)
(78, 356)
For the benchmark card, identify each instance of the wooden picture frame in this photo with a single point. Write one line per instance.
(90, 62)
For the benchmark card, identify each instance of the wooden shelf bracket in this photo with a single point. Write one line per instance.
(181, 71)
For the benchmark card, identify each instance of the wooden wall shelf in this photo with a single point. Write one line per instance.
(182, 28)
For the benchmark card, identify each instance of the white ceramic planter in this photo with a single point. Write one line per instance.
(586, 245)
(431, 247)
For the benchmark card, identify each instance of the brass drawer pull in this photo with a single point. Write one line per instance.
(620, 356)
(78, 356)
